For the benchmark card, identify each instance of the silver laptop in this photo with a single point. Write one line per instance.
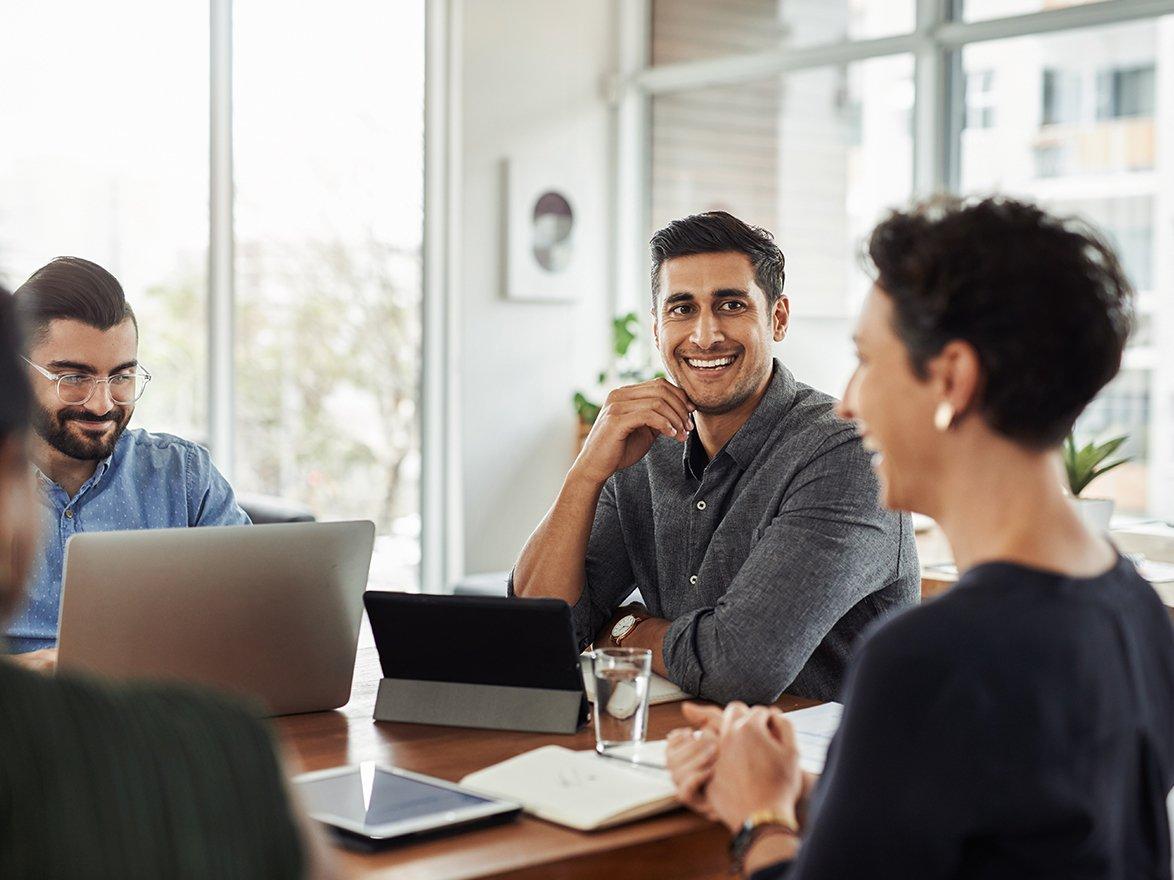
(271, 611)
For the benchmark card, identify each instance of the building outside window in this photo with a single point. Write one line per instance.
(980, 99)
(817, 153)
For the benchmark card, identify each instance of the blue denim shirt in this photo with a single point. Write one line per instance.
(151, 481)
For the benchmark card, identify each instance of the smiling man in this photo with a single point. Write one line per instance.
(732, 497)
(94, 475)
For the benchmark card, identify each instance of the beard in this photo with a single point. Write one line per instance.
(714, 401)
(738, 396)
(54, 429)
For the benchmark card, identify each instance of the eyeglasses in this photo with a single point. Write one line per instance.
(77, 388)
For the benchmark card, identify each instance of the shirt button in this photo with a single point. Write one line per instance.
(701, 505)
(69, 513)
(693, 579)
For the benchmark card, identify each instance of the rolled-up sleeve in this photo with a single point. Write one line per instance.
(607, 570)
(828, 547)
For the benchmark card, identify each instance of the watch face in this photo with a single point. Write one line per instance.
(623, 626)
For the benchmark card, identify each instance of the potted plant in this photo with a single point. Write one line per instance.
(625, 369)
(1082, 465)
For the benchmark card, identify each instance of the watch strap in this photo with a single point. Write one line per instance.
(757, 824)
(637, 619)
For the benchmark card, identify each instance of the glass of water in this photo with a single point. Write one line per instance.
(622, 677)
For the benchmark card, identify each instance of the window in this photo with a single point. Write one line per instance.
(329, 177)
(690, 30)
(1125, 93)
(1071, 118)
(980, 99)
(977, 10)
(814, 156)
(1097, 166)
(112, 166)
(1061, 96)
(112, 163)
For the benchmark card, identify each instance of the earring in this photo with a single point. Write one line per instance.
(943, 416)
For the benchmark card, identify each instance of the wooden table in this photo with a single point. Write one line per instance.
(934, 552)
(678, 844)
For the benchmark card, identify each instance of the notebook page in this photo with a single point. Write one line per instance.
(573, 788)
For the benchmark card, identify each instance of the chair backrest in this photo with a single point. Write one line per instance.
(267, 509)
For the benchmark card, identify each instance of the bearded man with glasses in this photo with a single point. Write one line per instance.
(94, 475)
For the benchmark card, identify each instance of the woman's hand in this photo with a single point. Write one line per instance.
(691, 755)
(757, 768)
(692, 752)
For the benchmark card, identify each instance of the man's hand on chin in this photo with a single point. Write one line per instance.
(603, 638)
(44, 660)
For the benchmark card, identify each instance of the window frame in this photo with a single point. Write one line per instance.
(939, 116)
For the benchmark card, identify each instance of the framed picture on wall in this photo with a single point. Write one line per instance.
(540, 259)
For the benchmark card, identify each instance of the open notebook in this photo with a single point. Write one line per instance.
(660, 690)
(586, 791)
(576, 788)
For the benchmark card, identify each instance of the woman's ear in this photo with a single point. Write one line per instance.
(956, 372)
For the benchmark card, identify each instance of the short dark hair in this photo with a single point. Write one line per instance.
(1042, 299)
(14, 389)
(716, 232)
(74, 289)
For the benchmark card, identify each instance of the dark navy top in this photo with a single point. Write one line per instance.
(1022, 725)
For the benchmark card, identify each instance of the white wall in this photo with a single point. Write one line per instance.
(532, 79)
(819, 351)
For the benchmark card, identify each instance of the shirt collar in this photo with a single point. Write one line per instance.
(95, 477)
(748, 440)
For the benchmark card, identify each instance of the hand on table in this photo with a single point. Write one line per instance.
(737, 761)
(44, 660)
(757, 769)
(631, 419)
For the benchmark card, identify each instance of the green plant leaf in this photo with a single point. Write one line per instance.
(624, 330)
(587, 411)
(1084, 464)
(1102, 471)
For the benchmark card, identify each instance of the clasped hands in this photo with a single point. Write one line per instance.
(736, 761)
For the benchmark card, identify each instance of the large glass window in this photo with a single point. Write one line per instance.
(1088, 148)
(690, 30)
(105, 156)
(1078, 120)
(815, 157)
(977, 10)
(329, 175)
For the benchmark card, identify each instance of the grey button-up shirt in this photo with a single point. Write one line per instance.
(769, 560)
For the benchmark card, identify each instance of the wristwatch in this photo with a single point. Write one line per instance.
(757, 824)
(625, 626)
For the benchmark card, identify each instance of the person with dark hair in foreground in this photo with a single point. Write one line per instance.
(1022, 725)
(102, 781)
(93, 474)
(732, 497)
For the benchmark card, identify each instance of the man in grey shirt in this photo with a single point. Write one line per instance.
(733, 498)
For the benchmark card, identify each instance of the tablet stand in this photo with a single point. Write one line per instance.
(496, 707)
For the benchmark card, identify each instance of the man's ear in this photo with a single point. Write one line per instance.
(780, 318)
(655, 327)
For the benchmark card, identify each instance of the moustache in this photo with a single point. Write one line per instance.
(112, 416)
